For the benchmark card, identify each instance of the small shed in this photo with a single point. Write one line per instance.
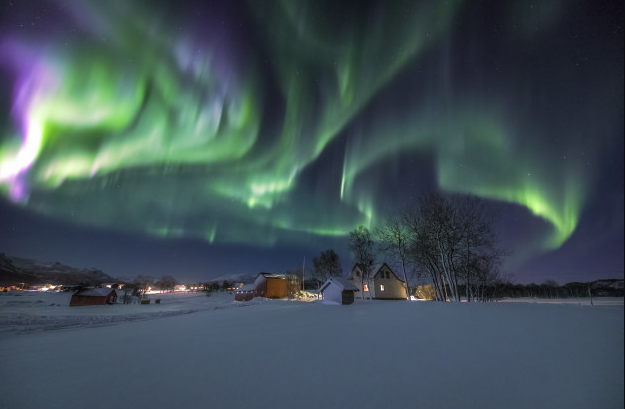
(271, 285)
(338, 290)
(94, 296)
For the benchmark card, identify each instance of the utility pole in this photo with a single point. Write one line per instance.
(303, 269)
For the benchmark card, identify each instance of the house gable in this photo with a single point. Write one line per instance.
(383, 283)
(384, 271)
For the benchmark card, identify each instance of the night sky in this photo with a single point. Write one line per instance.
(199, 140)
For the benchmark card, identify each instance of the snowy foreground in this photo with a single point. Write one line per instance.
(193, 351)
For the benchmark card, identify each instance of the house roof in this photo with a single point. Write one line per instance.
(376, 269)
(341, 283)
(96, 292)
(270, 275)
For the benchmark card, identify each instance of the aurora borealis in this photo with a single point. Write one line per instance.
(267, 123)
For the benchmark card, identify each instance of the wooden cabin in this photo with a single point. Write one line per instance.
(94, 296)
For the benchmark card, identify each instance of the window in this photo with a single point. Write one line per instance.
(365, 287)
(381, 288)
(357, 273)
(388, 275)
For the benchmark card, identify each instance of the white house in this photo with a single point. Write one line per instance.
(382, 284)
(337, 290)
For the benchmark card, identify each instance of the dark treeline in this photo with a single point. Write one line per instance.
(550, 289)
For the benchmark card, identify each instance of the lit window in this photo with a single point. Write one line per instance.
(365, 287)
(381, 288)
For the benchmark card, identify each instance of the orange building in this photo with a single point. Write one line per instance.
(271, 285)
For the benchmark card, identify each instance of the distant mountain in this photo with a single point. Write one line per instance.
(235, 278)
(15, 270)
(12, 275)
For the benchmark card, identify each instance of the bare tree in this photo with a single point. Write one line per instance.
(423, 254)
(327, 265)
(128, 296)
(480, 254)
(394, 238)
(436, 242)
(293, 283)
(168, 283)
(361, 245)
(484, 274)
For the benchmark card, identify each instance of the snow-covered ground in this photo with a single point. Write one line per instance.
(27, 311)
(193, 351)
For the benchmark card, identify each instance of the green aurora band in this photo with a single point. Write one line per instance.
(140, 127)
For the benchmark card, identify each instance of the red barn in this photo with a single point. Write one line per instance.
(95, 296)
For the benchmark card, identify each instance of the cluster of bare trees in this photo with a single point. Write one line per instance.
(166, 283)
(144, 283)
(293, 284)
(448, 240)
(327, 265)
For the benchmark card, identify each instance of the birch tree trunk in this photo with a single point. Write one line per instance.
(403, 267)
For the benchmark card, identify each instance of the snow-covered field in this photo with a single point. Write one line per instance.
(193, 351)
(28, 311)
